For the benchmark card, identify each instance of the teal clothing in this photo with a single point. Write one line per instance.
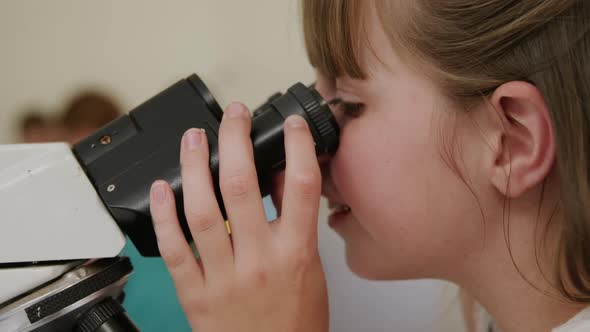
(150, 298)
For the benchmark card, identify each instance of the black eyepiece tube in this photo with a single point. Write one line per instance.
(125, 157)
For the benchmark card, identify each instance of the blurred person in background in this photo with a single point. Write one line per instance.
(34, 127)
(87, 112)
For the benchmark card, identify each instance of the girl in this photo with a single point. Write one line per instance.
(464, 156)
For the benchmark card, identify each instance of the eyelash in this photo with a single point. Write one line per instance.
(352, 110)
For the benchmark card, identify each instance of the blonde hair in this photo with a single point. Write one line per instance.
(470, 47)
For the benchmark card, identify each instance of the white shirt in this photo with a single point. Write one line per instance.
(579, 323)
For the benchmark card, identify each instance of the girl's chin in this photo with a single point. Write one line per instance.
(362, 269)
(365, 259)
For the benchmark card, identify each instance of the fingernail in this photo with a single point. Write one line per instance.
(192, 138)
(295, 121)
(159, 191)
(235, 110)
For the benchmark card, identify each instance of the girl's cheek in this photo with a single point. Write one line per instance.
(353, 163)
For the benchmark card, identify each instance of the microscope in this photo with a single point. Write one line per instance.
(66, 209)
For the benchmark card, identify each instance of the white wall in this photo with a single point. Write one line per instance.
(244, 50)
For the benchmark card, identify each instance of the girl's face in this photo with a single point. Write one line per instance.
(411, 215)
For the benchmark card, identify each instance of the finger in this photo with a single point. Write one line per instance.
(201, 208)
(301, 197)
(239, 182)
(172, 244)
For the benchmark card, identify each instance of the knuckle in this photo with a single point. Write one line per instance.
(173, 257)
(200, 222)
(236, 186)
(257, 276)
(196, 305)
(301, 259)
(301, 264)
(222, 294)
(307, 183)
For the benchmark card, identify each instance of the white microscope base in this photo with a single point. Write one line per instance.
(49, 210)
(16, 281)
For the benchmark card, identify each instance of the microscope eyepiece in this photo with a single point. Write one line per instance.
(144, 146)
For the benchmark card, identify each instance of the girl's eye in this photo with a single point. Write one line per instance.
(352, 110)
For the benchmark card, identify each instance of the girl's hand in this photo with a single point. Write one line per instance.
(268, 277)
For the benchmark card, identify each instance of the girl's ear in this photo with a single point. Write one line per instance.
(525, 143)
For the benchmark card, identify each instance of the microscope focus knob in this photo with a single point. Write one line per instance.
(106, 316)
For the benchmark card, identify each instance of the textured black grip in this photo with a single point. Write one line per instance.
(75, 293)
(321, 119)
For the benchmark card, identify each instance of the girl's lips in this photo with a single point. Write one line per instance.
(338, 213)
(338, 207)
